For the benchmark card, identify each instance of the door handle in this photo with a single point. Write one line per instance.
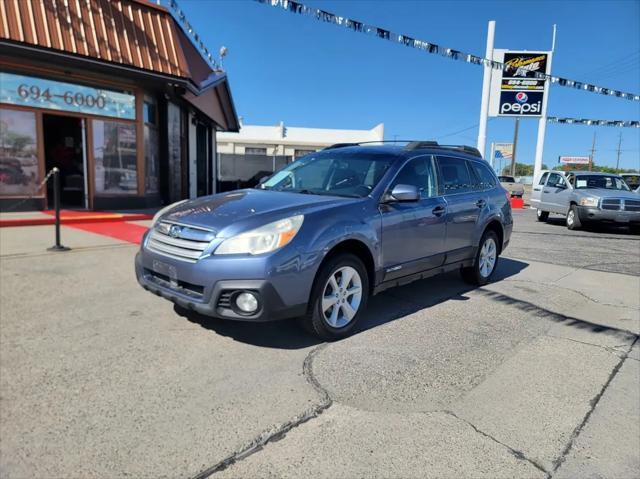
(546, 191)
(481, 203)
(537, 189)
(438, 210)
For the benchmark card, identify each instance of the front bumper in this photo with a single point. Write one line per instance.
(591, 214)
(211, 298)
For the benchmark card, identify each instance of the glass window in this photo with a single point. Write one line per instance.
(326, 174)
(18, 153)
(543, 178)
(419, 172)
(114, 152)
(484, 173)
(601, 181)
(555, 179)
(255, 151)
(455, 175)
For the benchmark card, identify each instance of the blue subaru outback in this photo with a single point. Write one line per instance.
(320, 236)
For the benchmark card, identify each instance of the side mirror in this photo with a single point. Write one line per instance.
(562, 186)
(405, 193)
(263, 179)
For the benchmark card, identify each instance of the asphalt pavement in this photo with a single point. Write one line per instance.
(534, 375)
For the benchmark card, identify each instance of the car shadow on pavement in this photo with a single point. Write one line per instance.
(388, 306)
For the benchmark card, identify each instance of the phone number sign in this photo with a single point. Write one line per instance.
(42, 93)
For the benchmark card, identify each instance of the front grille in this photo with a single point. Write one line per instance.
(632, 205)
(619, 204)
(185, 243)
(609, 204)
(224, 301)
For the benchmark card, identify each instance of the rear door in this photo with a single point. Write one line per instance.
(464, 205)
(536, 191)
(413, 233)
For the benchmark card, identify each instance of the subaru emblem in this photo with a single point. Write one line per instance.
(174, 231)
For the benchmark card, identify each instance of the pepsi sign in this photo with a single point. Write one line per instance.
(520, 103)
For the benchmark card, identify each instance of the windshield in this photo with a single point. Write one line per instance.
(507, 179)
(600, 181)
(351, 176)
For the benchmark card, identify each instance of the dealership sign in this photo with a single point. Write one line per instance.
(517, 91)
(38, 92)
(575, 160)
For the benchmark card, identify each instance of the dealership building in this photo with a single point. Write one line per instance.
(245, 156)
(117, 94)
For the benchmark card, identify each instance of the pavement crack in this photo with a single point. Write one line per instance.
(608, 349)
(593, 404)
(515, 452)
(279, 432)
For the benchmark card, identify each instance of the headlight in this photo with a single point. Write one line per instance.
(589, 202)
(264, 239)
(157, 216)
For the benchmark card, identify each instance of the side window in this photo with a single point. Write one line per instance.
(543, 178)
(555, 179)
(487, 178)
(420, 173)
(455, 175)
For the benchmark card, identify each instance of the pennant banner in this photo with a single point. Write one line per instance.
(360, 27)
(584, 121)
(182, 18)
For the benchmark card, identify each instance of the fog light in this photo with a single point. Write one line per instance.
(247, 302)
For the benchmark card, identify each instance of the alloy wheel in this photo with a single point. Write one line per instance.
(488, 255)
(341, 297)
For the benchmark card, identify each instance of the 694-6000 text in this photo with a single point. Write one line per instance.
(70, 98)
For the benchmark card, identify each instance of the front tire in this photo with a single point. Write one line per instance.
(486, 260)
(542, 215)
(338, 299)
(573, 218)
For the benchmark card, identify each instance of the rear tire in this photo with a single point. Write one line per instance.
(573, 218)
(338, 299)
(542, 215)
(486, 260)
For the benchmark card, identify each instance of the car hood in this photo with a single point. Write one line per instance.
(227, 214)
(601, 193)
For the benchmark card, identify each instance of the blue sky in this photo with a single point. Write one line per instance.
(295, 69)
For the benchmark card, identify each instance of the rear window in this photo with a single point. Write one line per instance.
(507, 179)
(455, 175)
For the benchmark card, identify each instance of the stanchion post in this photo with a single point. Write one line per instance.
(56, 204)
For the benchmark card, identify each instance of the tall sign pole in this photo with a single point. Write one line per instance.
(486, 87)
(542, 122)
(512, 170)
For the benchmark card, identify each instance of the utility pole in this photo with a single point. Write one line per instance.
(618, 158)
(486, 87)
(593, 151)
(515, 146)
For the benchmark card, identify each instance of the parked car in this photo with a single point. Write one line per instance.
(514, 188)
(585, 198)
(321, 235)
(632, 180)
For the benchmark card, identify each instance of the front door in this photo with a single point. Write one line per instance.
(536, 190)
(464, 206)
(413, 233)
(554, 194)
(64, 148)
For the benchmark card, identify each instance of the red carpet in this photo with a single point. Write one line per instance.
(120, 230)
(68, 217)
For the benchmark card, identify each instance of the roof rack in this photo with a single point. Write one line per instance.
(414, 145)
